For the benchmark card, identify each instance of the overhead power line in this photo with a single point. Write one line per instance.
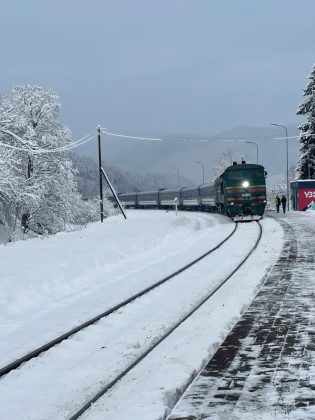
(88, 137)
(110, 133)
(186, 138)
(283, 138)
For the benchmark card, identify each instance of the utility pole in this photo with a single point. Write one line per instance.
(287, 160)
(203, 171)
(308, 159)
(174, 167)
(154, 181)
(100, 172)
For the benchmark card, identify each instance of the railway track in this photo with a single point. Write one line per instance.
(162, 338)
(45, 347)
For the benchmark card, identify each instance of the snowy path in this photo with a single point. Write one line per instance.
(62, 281)
(100, 352)
(265, 367)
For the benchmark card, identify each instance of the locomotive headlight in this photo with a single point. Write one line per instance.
(245, 184)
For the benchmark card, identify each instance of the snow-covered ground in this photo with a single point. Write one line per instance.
(50, 285)
(54, 284)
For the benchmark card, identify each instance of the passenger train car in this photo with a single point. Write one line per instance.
(239, 192)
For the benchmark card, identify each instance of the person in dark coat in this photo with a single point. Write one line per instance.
(284, 203)
(277, 202)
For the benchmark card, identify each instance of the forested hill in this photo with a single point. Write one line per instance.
(123, 181)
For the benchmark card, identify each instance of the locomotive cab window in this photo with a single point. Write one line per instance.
(256, 173)
(250, 173)
(235, 175)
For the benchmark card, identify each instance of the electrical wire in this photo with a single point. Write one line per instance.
(186, 139)
(90, 136)
(110, 133)
(43, 151)
(64, 148)
(284, 138)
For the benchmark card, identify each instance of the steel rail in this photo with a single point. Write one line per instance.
(161, 339)
(18, 362)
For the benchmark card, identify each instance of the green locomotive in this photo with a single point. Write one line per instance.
(240, 192)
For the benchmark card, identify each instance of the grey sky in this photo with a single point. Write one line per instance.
(163, 66)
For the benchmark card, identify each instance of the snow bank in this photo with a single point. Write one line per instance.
(50, 285)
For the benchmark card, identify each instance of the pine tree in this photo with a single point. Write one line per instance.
(306, 164)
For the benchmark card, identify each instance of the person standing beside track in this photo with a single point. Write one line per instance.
(284, 203)
(277, 202)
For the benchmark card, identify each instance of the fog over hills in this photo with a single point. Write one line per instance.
(182, 151)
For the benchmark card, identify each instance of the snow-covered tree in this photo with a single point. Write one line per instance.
(306, 163)
(9, 186)
(30, 126)
(225, 160)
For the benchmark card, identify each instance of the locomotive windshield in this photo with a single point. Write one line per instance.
(235, 175)
(250, 173)
(256, 173)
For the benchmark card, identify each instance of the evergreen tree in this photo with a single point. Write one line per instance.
(306, 164)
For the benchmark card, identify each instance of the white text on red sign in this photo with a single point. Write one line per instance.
(309, 194)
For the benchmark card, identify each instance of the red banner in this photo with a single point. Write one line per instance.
(305, 197)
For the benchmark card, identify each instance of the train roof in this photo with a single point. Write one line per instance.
(188, 188)
(171, 190)
(238, 166)
(209, 184)
(147, 192)
(130, 194)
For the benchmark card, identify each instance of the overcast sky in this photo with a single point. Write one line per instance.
(163, 66)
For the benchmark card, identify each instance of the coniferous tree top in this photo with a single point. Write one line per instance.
(306, 164)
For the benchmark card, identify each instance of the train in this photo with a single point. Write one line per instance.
(239, 192)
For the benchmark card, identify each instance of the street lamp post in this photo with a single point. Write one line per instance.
(308, 159)
(308, 144)
(174, 167)
(154, 181)
(287, 158)
(252, 142)
(203, 171)
(244, 141)
(308, 156)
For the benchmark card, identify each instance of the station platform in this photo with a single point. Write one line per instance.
(265, 368)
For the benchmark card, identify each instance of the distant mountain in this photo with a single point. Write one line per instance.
(183, 151)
